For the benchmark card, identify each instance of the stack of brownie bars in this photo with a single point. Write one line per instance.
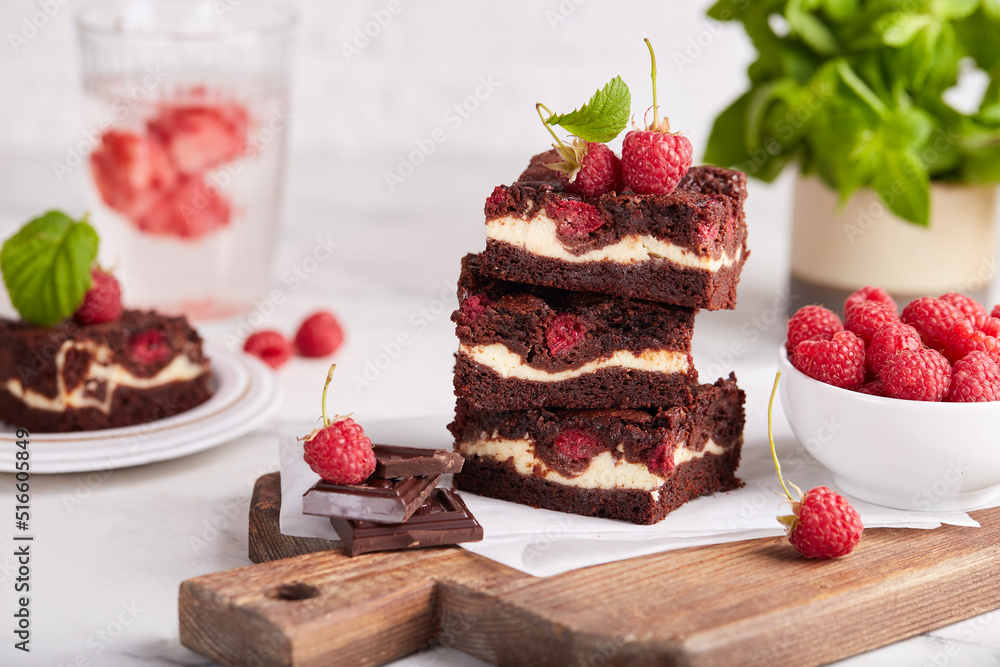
(576, 387)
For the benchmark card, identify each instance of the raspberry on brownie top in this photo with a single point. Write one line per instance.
(142, 367)
(685, 248)
(523, 346)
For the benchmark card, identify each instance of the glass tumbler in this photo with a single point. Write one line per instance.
(186, 116)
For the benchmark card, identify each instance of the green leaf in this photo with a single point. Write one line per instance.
(992, 8)
(899, 28)
(603, 117)
(727, 146)
(953, 9)
(811, 29)
(860, 88)
(840, 10)
(904, 186)
(46, 267)
(982, 166)
(727, 142)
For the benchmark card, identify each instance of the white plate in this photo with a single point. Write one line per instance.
(246, 395)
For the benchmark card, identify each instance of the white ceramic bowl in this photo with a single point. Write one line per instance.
(909, 455)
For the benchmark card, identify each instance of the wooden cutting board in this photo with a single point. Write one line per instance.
(747, 603)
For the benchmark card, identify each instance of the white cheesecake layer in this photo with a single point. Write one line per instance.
(538, 236)
(604, 471)
(499, 358)
(100, 370)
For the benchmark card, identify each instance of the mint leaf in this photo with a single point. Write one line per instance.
(904, 186)
(810, 29)
(899, 28)
(46, 267)
(602, 118)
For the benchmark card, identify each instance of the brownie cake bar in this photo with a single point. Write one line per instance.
(142, 367)
(685, 248)
(631, 465)
(523, 346)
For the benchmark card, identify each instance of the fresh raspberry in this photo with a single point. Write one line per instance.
(873, 388)
(102, 302)
(564, 332)
(988, 324)
(867, 317)
(661, 461)
(917, 375)
(600, 172)
(148, 347)
(823, 525)
(975, 379)
(190, 210)
(932, 318)
(574, 443)
(996, 311)
(811, 321)
(130, 172)
(199, 138)
(340, 453)
(574, 218)
(270, 347)
(654, 162)
(870, 293)
(979, 334)
(969, 307)
(473, 306)
(838, 360)
(891, 338)
(319, 335)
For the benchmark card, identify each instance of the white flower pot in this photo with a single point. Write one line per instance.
(863, 243)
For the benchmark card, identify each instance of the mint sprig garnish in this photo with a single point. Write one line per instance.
(46, 267)
(602, 118)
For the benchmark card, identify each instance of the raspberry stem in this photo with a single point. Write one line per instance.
(652, 58)
(329, 379)
(770, 436)
(538, 107)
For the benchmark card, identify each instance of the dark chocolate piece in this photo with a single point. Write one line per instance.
(442, 519)
(376, 499)
(395, 461)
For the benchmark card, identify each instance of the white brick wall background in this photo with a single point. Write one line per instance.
(426, 59)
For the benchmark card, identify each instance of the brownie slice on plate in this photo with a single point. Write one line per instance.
(71, 377)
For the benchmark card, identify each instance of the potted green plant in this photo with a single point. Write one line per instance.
(895, 186)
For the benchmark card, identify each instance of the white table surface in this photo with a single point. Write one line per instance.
(110, 551)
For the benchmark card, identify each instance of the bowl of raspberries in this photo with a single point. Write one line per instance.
(903, 406)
